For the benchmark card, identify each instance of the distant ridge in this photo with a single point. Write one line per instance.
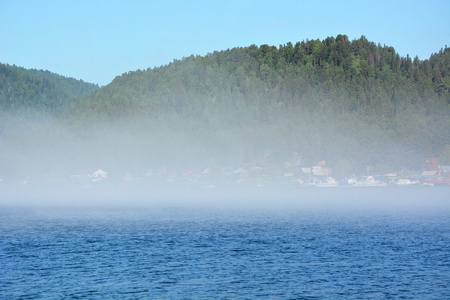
(41, 91)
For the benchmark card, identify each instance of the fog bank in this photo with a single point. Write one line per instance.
(330, 200)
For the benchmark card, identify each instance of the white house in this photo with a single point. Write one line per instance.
(99, 174)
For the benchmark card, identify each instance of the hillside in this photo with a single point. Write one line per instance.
(30, 98)
(351, 103)
(344, 101)
(23, 90)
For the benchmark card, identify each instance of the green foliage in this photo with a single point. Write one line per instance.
(27, 92)
(352, 103)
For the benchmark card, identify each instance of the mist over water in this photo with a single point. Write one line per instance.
(225, 243)
(203, 193)
(376, 199)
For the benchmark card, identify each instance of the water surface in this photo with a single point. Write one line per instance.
(271, 244)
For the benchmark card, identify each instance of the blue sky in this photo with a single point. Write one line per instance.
(96, 40)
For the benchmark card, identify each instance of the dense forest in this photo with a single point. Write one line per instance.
(351, 103)
(23, 90)
(29, 98)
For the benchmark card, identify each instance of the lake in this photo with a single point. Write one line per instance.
(314, 243)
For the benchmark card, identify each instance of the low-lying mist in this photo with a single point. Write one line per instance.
(417, 199)
(152, 165)
(54, 151)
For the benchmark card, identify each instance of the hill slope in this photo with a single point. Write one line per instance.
(352, 103)
(335, 99)
(30, 99)
(23, 90)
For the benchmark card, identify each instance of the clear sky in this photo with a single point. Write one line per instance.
(97, 40)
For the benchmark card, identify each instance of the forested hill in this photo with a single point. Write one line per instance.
(354, 104)
(347, 76)
(351, 103)
(25, 92)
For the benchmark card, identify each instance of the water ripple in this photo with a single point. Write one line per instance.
(190, 254)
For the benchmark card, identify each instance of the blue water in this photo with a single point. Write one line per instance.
(282, 249)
